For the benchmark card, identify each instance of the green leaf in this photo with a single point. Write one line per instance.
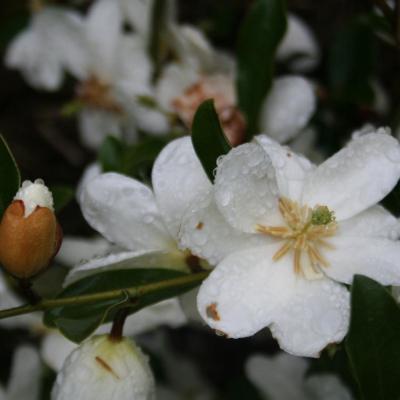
(373, 342)
(139, 158)
(209, 140)
(157, 44)
(77, 322)
(62, 195)
(110, 154)
(351, 63)
(259, 36)
(10, 177)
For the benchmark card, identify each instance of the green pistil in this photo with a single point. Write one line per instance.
(321, 215)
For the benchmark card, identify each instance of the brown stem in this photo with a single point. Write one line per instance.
(117, 328)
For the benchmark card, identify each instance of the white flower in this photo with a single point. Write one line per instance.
(298, 47)
(76, 250)
(318, 226)
(36, 50)
(24, 381)
(204, 73)
(115, 70)
(283, 377)
(101, 368)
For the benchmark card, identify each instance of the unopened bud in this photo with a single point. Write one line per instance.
(29, 232)
(103, 369)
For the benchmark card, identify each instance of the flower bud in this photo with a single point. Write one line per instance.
(103, 369)
(29, 232)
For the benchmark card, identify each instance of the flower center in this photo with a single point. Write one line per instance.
(221, 90)
(304, 235)
(97, 94)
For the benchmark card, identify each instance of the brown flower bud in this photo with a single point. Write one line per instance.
(30, 235)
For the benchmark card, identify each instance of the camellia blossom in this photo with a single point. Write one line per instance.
(103, 368)
(203, 73)
(112, 67)
(318, 226)
(272, 374)
(200, 72)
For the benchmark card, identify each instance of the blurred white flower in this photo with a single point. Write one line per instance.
(283, 377)
(318, 226)
(24, 381)
(298, 48)
(76, 250)
(36, 50)
(114, 71)
(112, 67)
(8, 299)
(202, 72)
(101, 368)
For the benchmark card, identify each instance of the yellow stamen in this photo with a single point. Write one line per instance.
(305, 231)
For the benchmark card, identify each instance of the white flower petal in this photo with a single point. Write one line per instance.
(374, 221)
(327, 387)
(174, 79)
(272, 375)
(291, 169)
(91, 171)
(151, 121)
(188, 303)
(55, 348)
(42, 72)
(246, 190)
(374, 257)
(10, 300)
(128, 260)
(103, 369)
(192, 47)
(103, 32)
(95, 125)
(124, 211)
(25, 375)
(298, 42)
(316, 315)
(206, 233)
(241, 295)
(357, 177)
(287, 108)
(138, 13)
(75, 250)
(134, 68)
(178, 179)
(52, 42)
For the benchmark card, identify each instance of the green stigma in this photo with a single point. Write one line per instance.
(321, 215)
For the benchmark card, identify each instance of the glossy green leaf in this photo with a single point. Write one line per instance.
(138, 159)
(392, 201)
(209, 140)
(78, 322)
(62, 195)
(351, 63)
(10, 177)
(373, 342)
(259, 37)
(110, 154)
